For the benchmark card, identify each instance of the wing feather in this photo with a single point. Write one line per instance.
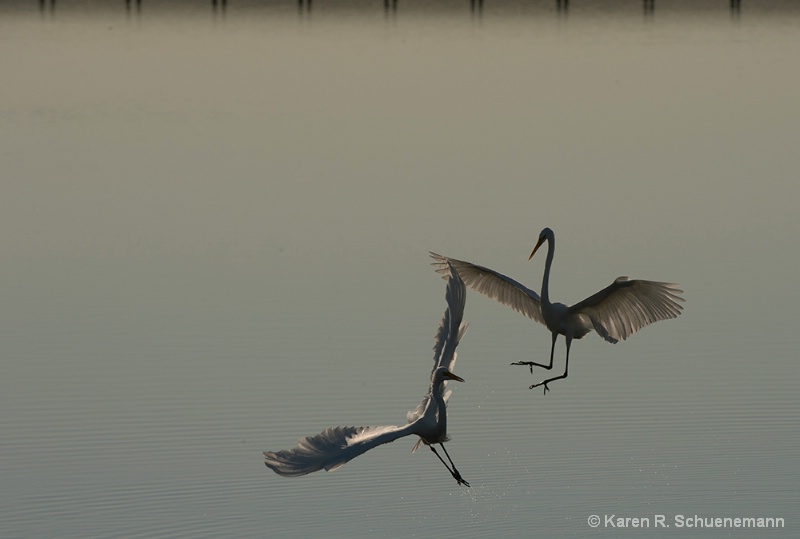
(624, 307)
(331, 448)
(493, 285)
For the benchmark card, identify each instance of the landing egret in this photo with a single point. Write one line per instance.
(335, 446)
(616, 312)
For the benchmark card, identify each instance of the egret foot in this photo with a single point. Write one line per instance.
(460, 480)
(546, 389)
(528, 363)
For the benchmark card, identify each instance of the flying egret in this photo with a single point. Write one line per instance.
(616, 312)
(335, 446)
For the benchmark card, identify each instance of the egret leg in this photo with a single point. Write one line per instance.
(564, 375)
(453, 472)
(456, 473)
(533, 364)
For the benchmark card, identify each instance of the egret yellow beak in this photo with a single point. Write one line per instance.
(538, 244)
(450, 375)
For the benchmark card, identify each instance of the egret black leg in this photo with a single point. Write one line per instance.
(453, 472)
(564, 375)
(456, 473)
(533, 364)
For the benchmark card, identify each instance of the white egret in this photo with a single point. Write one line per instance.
(335, 446)
(616, 312)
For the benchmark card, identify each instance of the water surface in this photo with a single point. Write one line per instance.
(216, 225)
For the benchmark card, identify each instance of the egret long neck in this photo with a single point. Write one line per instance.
(441, 407)
(551, 248)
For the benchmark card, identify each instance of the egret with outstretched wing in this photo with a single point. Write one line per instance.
(335, 446)
(615, 313)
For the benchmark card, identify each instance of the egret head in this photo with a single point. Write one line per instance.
(447, 375)
(543, 235)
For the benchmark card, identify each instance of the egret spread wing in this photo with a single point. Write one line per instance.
(624, 307)
(494, 285)
(331, 449)
(451, 330)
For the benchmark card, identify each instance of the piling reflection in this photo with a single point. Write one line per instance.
(133, 6)
(219, 6)
(304, 7)
(46, 6)
(476, 8)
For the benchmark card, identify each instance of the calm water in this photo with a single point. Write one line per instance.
(215, 235)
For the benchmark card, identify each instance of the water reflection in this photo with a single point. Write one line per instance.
(131, 5)
(476, 7)
(218, 6)
(47, 6)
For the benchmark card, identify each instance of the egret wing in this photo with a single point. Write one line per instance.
(494, 285)
(331, 448)
(451, 330)
(624, 307)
